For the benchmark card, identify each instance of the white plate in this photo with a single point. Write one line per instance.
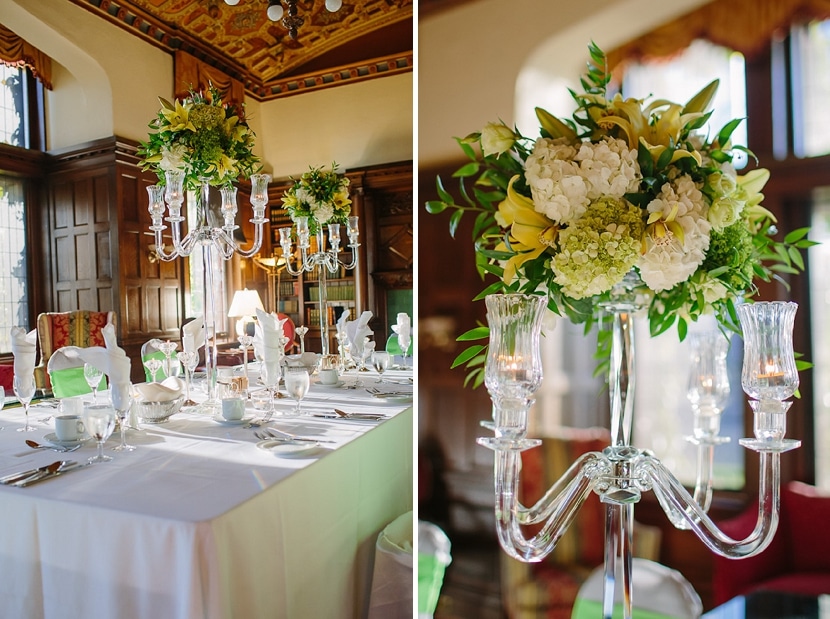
(232, 422)
(286, 448)
(338, 384)
(52, 438)
(403, 398)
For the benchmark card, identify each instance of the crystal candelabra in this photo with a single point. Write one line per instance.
(213, 241)
(621, 472)
(322, 259)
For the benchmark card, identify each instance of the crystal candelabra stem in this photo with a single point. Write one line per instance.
(212, 240)
(322, 259)
(621, 472)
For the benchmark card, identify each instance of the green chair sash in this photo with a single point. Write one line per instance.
(70, 382)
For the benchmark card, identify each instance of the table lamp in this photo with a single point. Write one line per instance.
(244, 306)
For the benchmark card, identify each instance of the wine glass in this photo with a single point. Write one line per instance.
(403, 342)
(189, 360)
(93, 379)
(99, 421)
(296, 384)
(153, 366)
(168, 348)
(269, 374)
(24, 389)
(121, 401)
(380, 361)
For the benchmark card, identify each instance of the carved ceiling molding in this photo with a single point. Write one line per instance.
(261, 52)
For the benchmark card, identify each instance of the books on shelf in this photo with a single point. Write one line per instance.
(335, 291)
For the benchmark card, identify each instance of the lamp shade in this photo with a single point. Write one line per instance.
(245, 303)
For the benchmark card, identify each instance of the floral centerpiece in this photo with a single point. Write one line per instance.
(625, 185)
(208, 140)
(321, 195)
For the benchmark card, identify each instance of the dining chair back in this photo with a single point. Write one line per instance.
(150, 350)
(55, 330)
(66, 375)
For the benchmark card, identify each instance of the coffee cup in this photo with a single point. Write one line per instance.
(233, 409)
(69, 428)
(328, 376)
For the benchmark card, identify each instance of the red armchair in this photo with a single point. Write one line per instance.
(797, 560)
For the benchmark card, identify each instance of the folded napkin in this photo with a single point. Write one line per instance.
(304, 360)
(269, 340)
(193, 334)
(341, 322)
(168, 389)
(358, 330)
(24, 346)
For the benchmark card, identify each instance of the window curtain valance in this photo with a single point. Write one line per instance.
(16, 52)
(192, 73)
(745, 26)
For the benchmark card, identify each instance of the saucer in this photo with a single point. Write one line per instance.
(287, 448)
(338, 384)
(232, 422)
(54, 440)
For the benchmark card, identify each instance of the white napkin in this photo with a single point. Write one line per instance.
(403, 326)
(193, 334)
(64, 358)
(24, 346)
(358, 330)
(168, 389)
(269, 336)
(341, 322)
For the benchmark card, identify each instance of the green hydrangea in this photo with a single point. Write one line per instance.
(732, 246)
(597, 251)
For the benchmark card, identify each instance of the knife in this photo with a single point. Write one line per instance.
(26, 475)
(69, 466)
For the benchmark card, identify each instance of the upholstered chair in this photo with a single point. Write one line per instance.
(76, 328)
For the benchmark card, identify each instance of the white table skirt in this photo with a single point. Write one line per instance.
(199, 522)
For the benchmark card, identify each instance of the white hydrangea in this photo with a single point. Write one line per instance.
(557, 189)
(322, 211)
(609, 168)
(564, 179)
(666, 261)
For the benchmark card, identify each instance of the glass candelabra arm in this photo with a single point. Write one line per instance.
(159, 249)
(508, 524)
(678, 503)
(234, 247)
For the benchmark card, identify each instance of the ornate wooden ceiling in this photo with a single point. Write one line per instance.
(365, 39)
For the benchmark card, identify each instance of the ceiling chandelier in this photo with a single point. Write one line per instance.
(288, 15)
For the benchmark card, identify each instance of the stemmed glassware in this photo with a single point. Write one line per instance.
(245, 342)
(297, 382)
(168, 348)
(189, 360)
(121, 400)
(93, 375)
(403, 342)
(24, 389)
(301, 331)
(269, 374)
(380, 361)
(153, 366)
(99, 421)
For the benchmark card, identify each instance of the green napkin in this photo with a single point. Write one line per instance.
(70, 382)
(589, 609)
(430, 578)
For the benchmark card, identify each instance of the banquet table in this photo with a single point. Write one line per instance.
(200, 521)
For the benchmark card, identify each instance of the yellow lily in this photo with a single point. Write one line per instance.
(177, 118)
(660, 227)
(531, 233)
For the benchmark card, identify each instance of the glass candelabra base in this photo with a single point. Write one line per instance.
(508, 444)
(770, 446)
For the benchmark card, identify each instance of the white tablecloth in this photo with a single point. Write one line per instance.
(199, 522)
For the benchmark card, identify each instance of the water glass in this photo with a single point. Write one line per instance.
(297, 382)
(24, 389)
(99, 421)
(93, 375)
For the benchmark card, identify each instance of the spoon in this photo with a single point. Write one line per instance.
(345, 415)
(35, 445)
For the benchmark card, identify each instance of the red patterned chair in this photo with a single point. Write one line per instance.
(798, 559)
(549, 589)
(76, 328)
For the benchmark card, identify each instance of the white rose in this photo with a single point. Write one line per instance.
(724, 212)
(496, 138)
(322, 212)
